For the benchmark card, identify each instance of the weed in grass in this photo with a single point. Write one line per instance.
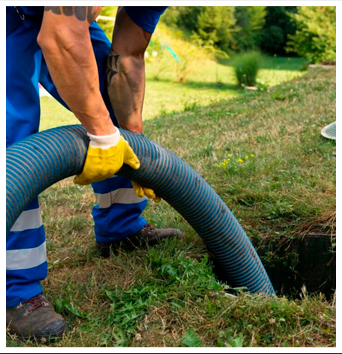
(67, 308)
(233, 163)
(129, 306)
(280, 209)
(190, 106)
(261, 85)
(190, 339)
(171, 278)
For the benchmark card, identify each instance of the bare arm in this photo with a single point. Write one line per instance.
(126, 71)
(65, 41)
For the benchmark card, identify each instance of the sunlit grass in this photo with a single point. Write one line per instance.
(167, 295)
(207, 82)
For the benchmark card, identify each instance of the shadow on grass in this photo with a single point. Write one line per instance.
(199, 85)
(275, 63)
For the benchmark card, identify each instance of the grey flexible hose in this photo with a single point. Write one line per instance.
(45, 158)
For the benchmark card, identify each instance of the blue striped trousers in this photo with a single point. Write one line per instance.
(117, 214)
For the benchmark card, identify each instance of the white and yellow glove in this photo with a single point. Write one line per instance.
(105, 157)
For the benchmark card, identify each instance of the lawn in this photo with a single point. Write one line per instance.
(263, 154)
(165, 95)
(202, 87)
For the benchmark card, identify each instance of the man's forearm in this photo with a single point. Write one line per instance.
(71, 61)
(126, 88)
(126, 71)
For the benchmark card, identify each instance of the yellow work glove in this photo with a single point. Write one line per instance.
(140, 191)
(106, 155)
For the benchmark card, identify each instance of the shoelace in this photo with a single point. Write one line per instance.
(149, 227)
(36, 302)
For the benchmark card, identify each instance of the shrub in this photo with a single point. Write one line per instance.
(315, 37)
(246, 66)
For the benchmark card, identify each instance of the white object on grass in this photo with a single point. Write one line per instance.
(329, 131)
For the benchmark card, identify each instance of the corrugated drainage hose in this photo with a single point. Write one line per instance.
(39, 161)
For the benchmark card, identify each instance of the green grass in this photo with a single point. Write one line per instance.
(167, 295)
(202, 87)
(165, 95)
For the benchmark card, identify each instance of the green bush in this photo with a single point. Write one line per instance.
(315, 37)
(246, 66)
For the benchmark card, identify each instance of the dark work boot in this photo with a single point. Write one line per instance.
(147, 235)
(35, 318)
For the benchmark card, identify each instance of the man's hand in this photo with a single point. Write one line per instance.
(106, 155)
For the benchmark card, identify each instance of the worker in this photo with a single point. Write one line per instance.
(64, 49)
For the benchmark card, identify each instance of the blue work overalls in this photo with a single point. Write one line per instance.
(118, 209)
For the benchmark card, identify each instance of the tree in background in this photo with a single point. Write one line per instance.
(238, 28)
(182, 17)
(315, 37)
(214, 26)
(205, 25)
(278, 26)
(250, 21)
(308, 31)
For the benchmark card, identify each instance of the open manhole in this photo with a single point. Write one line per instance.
(293, 263)
(308, 261)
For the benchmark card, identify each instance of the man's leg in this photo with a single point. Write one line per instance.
(118, 210)
(22, 119)
(117, 214)
(26, 262)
